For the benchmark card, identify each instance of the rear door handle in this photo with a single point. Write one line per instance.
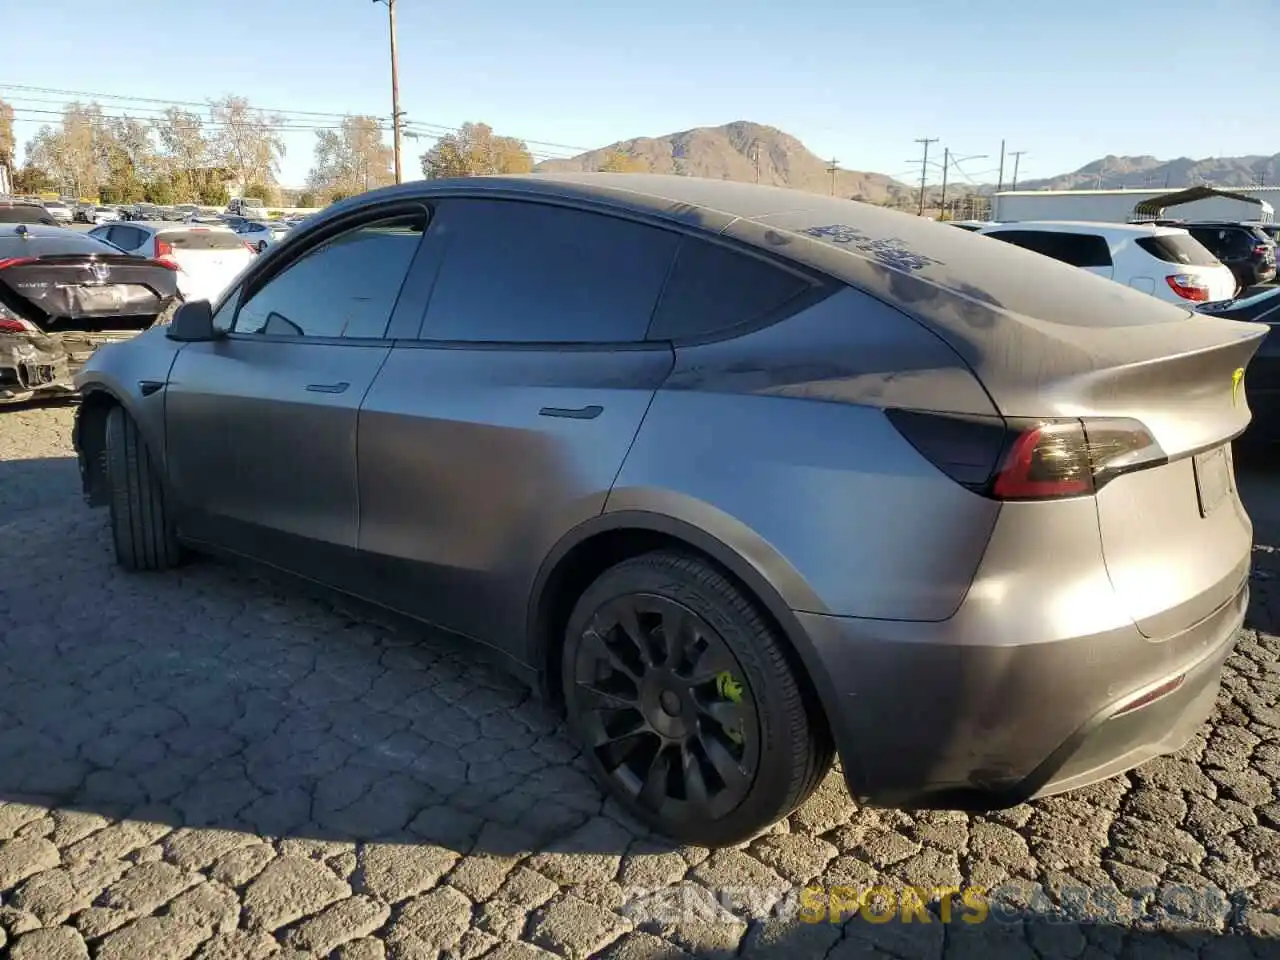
(327, 387)
(579, 413)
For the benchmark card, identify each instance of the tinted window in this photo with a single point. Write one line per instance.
(127, 238)
(26, 214)
(1174, 248)
(712, 288)
(1224, 242)
(1077, 249)
(46, 246)
(520, 272)
(346, 287)
(197, 239)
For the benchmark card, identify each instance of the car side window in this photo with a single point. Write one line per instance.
(346, 287)
(713, 288)
(1076, 249)
(515, 271)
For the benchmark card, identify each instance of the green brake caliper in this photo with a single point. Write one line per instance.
(730, 690)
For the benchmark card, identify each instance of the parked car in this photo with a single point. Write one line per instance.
(1246, 249)
(783, 485)
(260, 235)
(22, 211)
(60, 212)
(1262, 383)
(1165, 262)
(64, 294)
(207, 259)
(103, 214)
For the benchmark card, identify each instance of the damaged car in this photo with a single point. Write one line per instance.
(62, 295)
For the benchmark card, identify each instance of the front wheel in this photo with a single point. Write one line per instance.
(141, 529)
(683, 700)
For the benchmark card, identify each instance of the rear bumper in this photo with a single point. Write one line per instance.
(932, 723)
(33, 366)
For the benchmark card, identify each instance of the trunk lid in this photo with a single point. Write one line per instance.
(79, 292)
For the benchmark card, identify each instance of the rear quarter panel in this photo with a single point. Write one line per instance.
(776, 444)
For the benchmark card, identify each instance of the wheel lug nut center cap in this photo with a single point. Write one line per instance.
(669, 702)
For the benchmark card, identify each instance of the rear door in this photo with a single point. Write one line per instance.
(261, 425)
(503, 421)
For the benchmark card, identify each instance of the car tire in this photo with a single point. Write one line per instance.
(748, 747)
(262, 246)
(141, 529)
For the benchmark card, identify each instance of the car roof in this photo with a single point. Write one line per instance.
(1093, 226)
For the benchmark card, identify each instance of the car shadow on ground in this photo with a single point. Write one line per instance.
(222, 698)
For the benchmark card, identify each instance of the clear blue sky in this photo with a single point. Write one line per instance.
(1067, 82)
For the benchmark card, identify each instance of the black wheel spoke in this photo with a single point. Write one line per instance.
(615, 751)
(606, 699)
(599, 640)
(680, 633)
(654, 790)
(695, 785)
(724, 714)
(726, 767)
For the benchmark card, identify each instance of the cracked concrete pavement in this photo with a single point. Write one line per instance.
(216, 763)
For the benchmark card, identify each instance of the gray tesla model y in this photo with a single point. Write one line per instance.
(741, 477)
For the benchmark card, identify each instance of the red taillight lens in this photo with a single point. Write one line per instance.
(164, 255)
(250, 247)
(15, 262)
(1039, 460)
(1261, 250)
(10, 322)
(1188, 287)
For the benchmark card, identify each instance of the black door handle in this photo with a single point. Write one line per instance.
(581, 413)
(327, 387)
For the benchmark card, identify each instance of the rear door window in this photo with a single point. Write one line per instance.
(521, 272)
(346, 287)
(202, 239)
(1175, 248)
(126, 238)
(713, 288)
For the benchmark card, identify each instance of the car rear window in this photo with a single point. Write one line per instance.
(47, 246)
(202, 239)
(1173, 248)
(27, 213)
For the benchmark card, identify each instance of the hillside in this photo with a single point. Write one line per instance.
(728, 153)
(1112, 172)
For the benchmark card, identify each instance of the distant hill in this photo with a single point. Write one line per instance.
(728, 152)
(1112, 172)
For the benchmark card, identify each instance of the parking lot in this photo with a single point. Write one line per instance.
(216, 763)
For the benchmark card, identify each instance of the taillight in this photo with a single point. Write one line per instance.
(10, 322)
(1030, 460)
(6, 263)
(1188, 287)
(250, 247)
(164, 255)
(1261, 249)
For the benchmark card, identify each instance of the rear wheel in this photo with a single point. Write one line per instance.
(262, 246)
(682, 698)
(141, 530)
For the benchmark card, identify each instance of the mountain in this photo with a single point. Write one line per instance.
(729, 152)
(1112, 172)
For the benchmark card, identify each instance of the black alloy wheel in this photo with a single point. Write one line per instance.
(684, 702)
(667, 708)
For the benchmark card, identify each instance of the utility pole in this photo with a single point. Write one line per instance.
(755, 155)
(835, 166)
(924, 168)
(1017, 158)
(396, 116)
(1000, 178)
(946, 165)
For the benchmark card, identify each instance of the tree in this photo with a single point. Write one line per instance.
(185, 149)
(622, 161)
(33, 180)
(8, 145)
(352, 159)
(306, 199)
(246, 141)
(71, 154)
(475, 151)
(161, 191)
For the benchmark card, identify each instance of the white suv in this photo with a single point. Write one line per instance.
(1166, 262)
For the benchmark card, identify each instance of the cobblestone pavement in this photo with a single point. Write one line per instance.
(214, 764)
